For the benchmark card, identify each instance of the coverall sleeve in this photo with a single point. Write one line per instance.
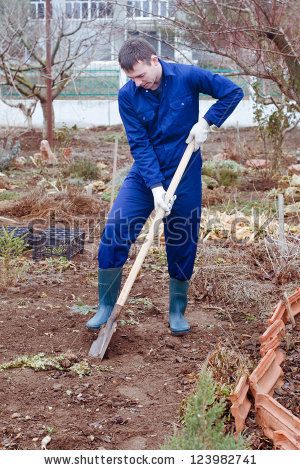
(140, 146)
(221, 88)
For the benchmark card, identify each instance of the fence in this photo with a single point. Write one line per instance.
(104, 83)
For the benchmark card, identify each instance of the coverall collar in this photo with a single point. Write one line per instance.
(167, 69)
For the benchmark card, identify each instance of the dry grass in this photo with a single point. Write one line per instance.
(210, 197)
(38, 204)
(227, 277)
(228, 364)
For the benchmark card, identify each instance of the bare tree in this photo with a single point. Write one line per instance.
(260, 36)
(23, 53)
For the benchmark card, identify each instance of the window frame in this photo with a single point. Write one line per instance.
(35, 7)
(88, 10)
(136, 6)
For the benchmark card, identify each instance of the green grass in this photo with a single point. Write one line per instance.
(265, 206)
(82, 168)
(9, 196)
(226, 172)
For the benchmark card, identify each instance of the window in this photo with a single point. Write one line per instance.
(145, 9)
(37, 9)
(88, 9)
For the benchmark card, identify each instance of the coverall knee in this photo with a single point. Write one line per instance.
(126, 219)
(183, 224)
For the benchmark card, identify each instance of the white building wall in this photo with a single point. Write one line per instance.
(91, 113)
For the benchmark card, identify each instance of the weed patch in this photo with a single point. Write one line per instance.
(203, 421)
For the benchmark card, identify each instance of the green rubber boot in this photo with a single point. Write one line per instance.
(178, 302)
(109, 283)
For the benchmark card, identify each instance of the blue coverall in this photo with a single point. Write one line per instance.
(156, 128)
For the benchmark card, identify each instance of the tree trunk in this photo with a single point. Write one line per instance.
(44, 109)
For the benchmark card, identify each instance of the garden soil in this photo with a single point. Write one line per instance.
(134, 398)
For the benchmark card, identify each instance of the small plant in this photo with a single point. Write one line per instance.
(64, 135)
(8, 151)
(203, 421)
(83, 309)
(36, 362)
(49, 429)
(131, 320)
(59, 264)
(12, 265)
(121, 136)
(82, 168)
(273, 124)
(142, 303)
(81, 368)
(8, 196)
(40, 362)
(226, 172)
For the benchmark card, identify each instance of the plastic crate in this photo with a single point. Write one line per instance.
(57, 242)
(19, 232)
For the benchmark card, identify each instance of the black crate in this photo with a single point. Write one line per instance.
(19, 232)
(57, 242)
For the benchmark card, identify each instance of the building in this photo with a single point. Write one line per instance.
(118, 20)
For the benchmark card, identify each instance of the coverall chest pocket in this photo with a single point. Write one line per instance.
(146, 116)
(181, 109)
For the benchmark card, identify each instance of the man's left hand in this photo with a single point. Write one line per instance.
(198, 132)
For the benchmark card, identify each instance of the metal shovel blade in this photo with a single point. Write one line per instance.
(99, 346)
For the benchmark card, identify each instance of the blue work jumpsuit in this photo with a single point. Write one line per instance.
(156, 128)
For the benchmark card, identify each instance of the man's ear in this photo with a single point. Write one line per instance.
(154, 59)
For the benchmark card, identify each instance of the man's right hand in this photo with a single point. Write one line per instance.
(159, 200)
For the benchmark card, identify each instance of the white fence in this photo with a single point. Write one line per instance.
(92, 113)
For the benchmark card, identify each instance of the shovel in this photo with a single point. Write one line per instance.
(100, 344)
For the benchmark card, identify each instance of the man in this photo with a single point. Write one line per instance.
(159, 107)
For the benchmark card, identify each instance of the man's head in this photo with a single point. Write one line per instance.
(139, 61)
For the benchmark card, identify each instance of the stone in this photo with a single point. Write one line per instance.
(46, 153)
(292, 209)
(99, 186)
(295, 181)
(292, 194)
(294, 169)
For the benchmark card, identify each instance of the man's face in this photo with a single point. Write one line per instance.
(145, 75)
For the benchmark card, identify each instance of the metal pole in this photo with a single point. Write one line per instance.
(49, 74)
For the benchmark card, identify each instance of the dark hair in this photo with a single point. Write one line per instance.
(133, 50)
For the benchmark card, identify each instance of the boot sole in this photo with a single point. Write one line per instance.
(96, 327)
(180, 333)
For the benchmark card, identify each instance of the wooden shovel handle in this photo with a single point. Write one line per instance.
(154, 226)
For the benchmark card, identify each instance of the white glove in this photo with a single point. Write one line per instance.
(159, 200)
(198, 132)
